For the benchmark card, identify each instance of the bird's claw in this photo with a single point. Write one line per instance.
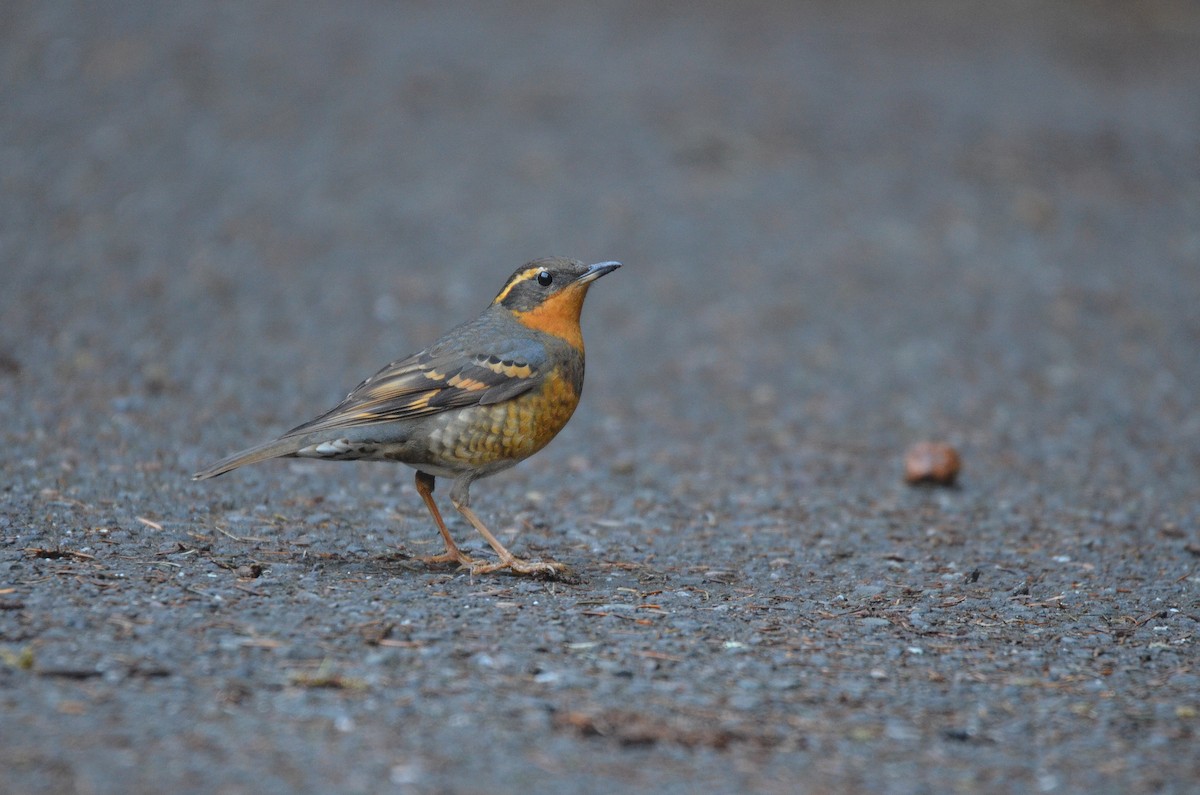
(541, 569)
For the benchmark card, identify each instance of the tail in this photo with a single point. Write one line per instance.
(260, 452)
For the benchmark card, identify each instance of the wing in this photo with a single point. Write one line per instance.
(431, 382)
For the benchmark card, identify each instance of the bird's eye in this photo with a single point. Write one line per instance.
(545, 278)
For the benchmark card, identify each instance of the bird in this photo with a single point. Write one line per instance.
(486, 395)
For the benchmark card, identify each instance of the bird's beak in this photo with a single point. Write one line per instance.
(594, 272)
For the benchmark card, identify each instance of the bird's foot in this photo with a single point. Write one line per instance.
(541, 569)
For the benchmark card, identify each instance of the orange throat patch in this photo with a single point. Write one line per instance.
(558, 316)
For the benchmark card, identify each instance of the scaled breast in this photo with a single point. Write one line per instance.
(505, 433)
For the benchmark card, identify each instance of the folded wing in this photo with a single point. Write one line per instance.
(427, 383)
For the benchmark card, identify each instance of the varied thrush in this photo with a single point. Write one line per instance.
(485, 396)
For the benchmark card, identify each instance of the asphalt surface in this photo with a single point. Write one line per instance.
(846, 228)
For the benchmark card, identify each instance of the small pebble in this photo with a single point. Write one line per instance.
(932, 463)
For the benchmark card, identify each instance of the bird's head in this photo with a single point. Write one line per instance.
(547, 294)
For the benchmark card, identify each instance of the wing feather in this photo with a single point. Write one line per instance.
(428, 383)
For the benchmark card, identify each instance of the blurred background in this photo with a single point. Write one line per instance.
(842, 222)
(845, 226)
(954, 209)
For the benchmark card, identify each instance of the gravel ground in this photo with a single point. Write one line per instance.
(846, 228)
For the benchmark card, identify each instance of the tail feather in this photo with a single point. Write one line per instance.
(260, 452)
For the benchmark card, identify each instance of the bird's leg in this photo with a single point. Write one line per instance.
(452, 554)
(461, 499)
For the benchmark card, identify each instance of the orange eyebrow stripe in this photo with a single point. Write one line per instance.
(523, 276)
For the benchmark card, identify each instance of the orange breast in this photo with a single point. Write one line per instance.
(559, 316)
(507, 432)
